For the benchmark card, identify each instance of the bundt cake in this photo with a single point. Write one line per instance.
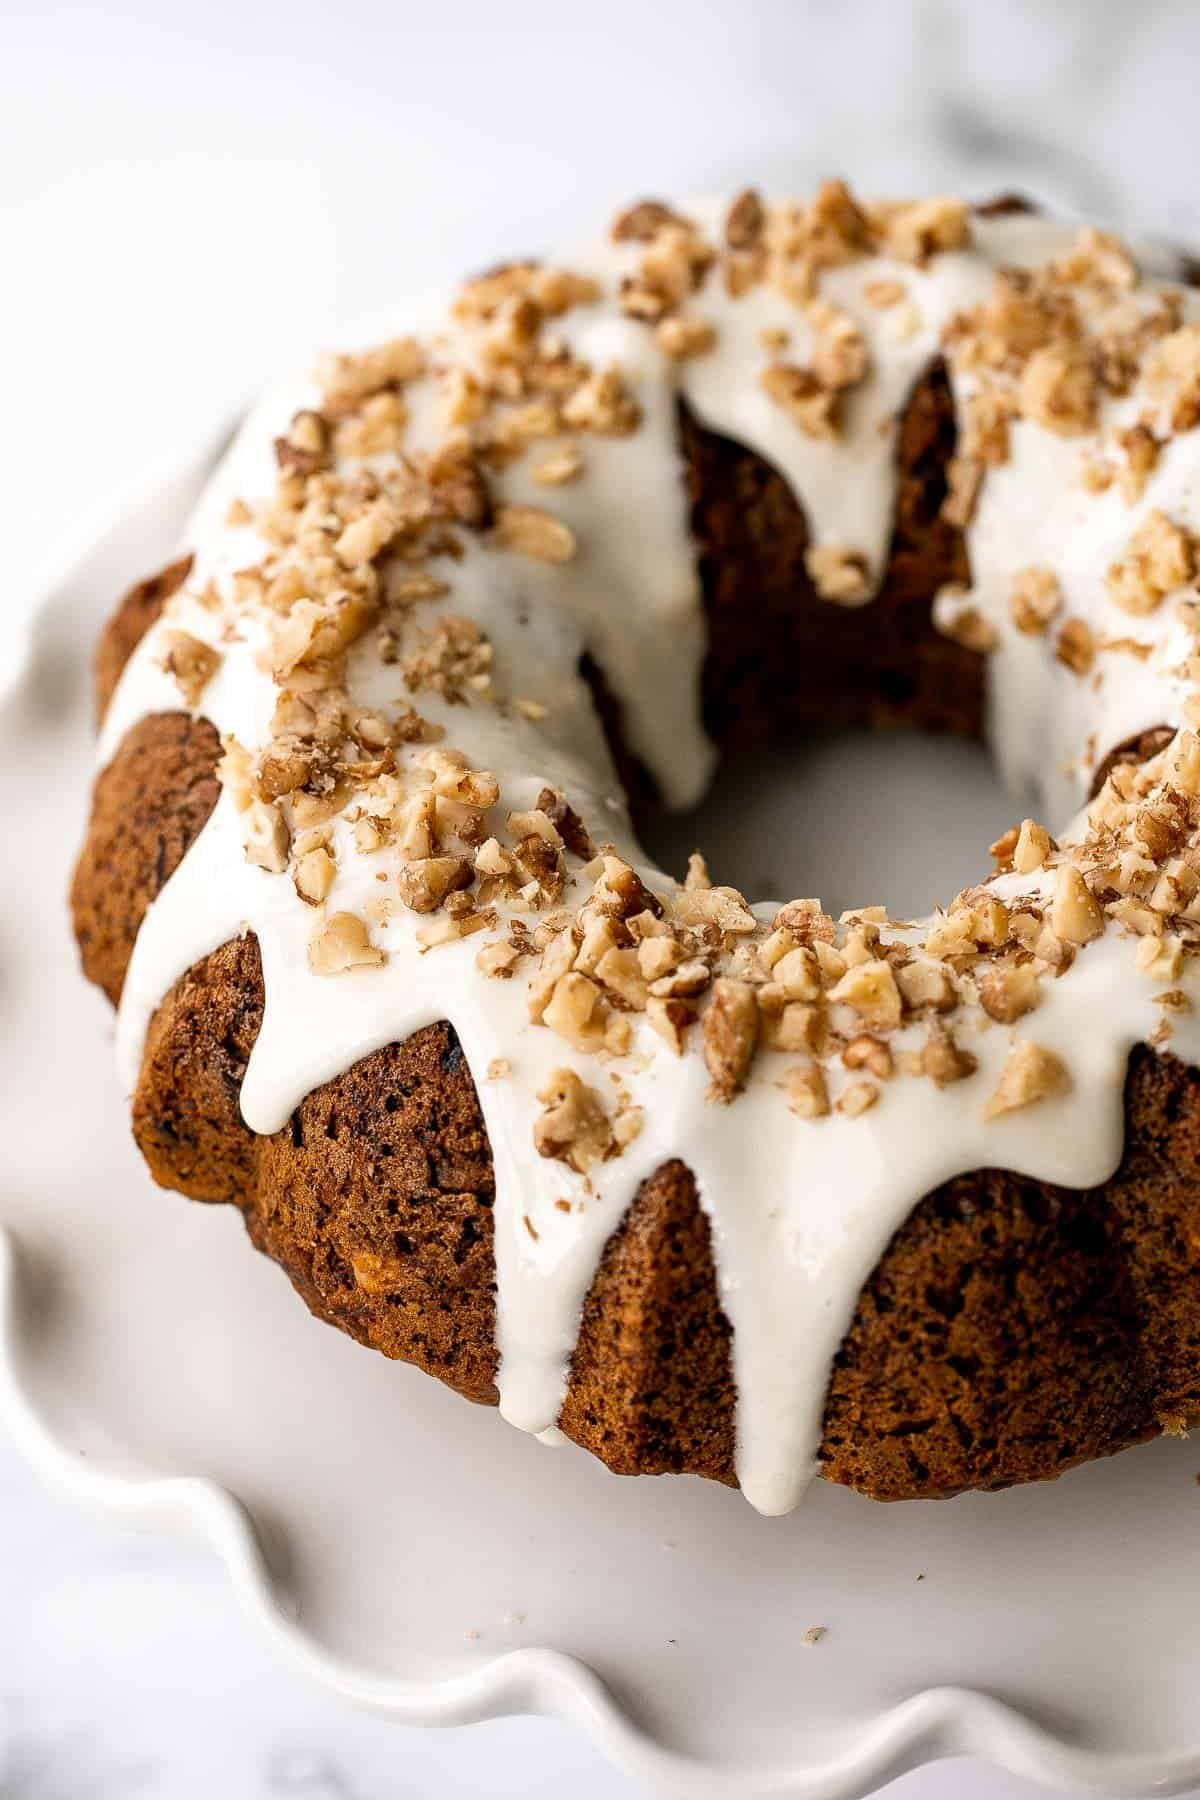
(737, 1189)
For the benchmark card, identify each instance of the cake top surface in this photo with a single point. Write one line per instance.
(395, 577)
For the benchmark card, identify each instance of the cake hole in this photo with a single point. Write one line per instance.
(857, 818)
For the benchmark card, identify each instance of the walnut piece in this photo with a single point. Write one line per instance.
(943, 1060)
(808, 401)
(1031, 1073)
(1032, 847)
(266, 836)
(531, 531)
(808, 1096)
(1076, 646)
(680, 338)
(839, 575)
(191, 662)
(1075, 915)
(730, 1036)
(313, 875)
(1058, 390)
(870, 988)
(425, 882)
(1036, 598)
(573, 1126)
(857, 1098)
(1008, 994)
(1161, 557)
(341, 943)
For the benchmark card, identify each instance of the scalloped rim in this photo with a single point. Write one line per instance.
(937, 1722)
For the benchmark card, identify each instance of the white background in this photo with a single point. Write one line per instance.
(190, 194)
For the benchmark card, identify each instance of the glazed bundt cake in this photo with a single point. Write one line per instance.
(737, 1189)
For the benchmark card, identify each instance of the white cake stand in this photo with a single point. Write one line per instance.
(424, 1559)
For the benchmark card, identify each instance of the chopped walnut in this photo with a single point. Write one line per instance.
(425, 882)
(1033, 845)
(964, 481)
(926, 984)
(460, 487)
(266, 836)
(722, 907)
(376, 429)
(1173, 370)
(1142, 450)
(797, 974)
(1075, 646)
(658, 956)
(1101, 259)
(730, 1036)
(963, 623)
(870, 1053)
(681, 338)
(840, 358)
(1058, 390)
(348, 379)
(915, 231)
(1031, 1073)
(557, 956)
(191, 662)
(944, 1061)
(1160, 958)
(532, 532)
(1035, 600)
(807, 1094)
(1161, 557)
(314, 874)
(573, 1126)
(870, 988)
(454, 660)
(603, 404)
(838, 574)
(575, 1010)
(1183, 764)
(790, 1024)
(369, 534)
(620, 890)
(341, 943)
(857, 1098)
(1075, 915)
(809, 402)
(643, 221)
(619, 973)
(1008, 994)
(565, 822)
(670, 1018)
(986, 425)
(558, 469)
(311, 633)
(745, 220)
(883, 293)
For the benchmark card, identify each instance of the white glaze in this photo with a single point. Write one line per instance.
(800, 1211)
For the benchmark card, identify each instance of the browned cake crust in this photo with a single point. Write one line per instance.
(1011, 1329)
(129, 625)
(147, 807)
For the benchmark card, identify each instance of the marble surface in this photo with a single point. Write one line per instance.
(187, 194)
